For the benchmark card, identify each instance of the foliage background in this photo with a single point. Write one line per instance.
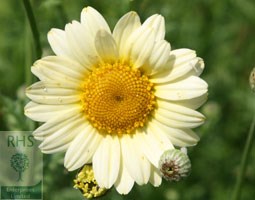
(222, 33)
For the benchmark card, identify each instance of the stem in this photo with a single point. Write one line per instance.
(38, 48)
(28, 55)
(33, 26)
(131, 4)
(246, 152)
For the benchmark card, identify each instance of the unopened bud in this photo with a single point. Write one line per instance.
(174, 165)
(252, 80)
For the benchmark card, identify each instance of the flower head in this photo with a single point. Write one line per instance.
(116, 99)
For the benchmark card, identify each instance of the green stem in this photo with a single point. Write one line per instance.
(28, 56)
(131, 5)
(32, 22)
(38, 49)
(246, 152)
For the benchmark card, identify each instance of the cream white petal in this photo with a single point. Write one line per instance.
(180, 56)
(82, 148)
(49, 94)
(124, 28)
(181, 137)
(81, 44)
(198, 68)
(163, 142)
(135, 161)
(155, 178)
(62, 65)
(50, 76)
(93, 21)
(136, 50)
(178, 72)
(56, 122)
(63, 136)
(106, 46)
(47, 72)
(163, 117)
(157, 22)
(153, 143)
(48, 79)
(186, 138)
(173, 107)
(61, 148)
(124, 182)
(181, 62)
(149, 147)
(106, 161)
(159, 57)
(178, 115)
(58, 42)
(193, 103)
(192, 68)
(42, 112)
(188, 88)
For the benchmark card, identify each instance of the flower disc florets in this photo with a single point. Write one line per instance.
(117, 98)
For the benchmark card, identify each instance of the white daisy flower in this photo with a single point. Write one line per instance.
(116, 99)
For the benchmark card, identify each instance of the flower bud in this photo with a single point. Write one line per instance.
(252, 80)
(87, 184)
(174, 165)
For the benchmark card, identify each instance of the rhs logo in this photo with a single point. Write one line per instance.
(21, 166)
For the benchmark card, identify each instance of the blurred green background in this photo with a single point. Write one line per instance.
(222, 33)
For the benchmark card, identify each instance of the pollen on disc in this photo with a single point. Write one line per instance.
(117, 99)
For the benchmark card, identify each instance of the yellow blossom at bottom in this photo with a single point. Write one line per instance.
(87, 184)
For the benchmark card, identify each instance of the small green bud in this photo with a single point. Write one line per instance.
(252, 80)
(174, 165)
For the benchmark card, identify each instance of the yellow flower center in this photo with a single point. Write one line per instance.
(117, 99)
